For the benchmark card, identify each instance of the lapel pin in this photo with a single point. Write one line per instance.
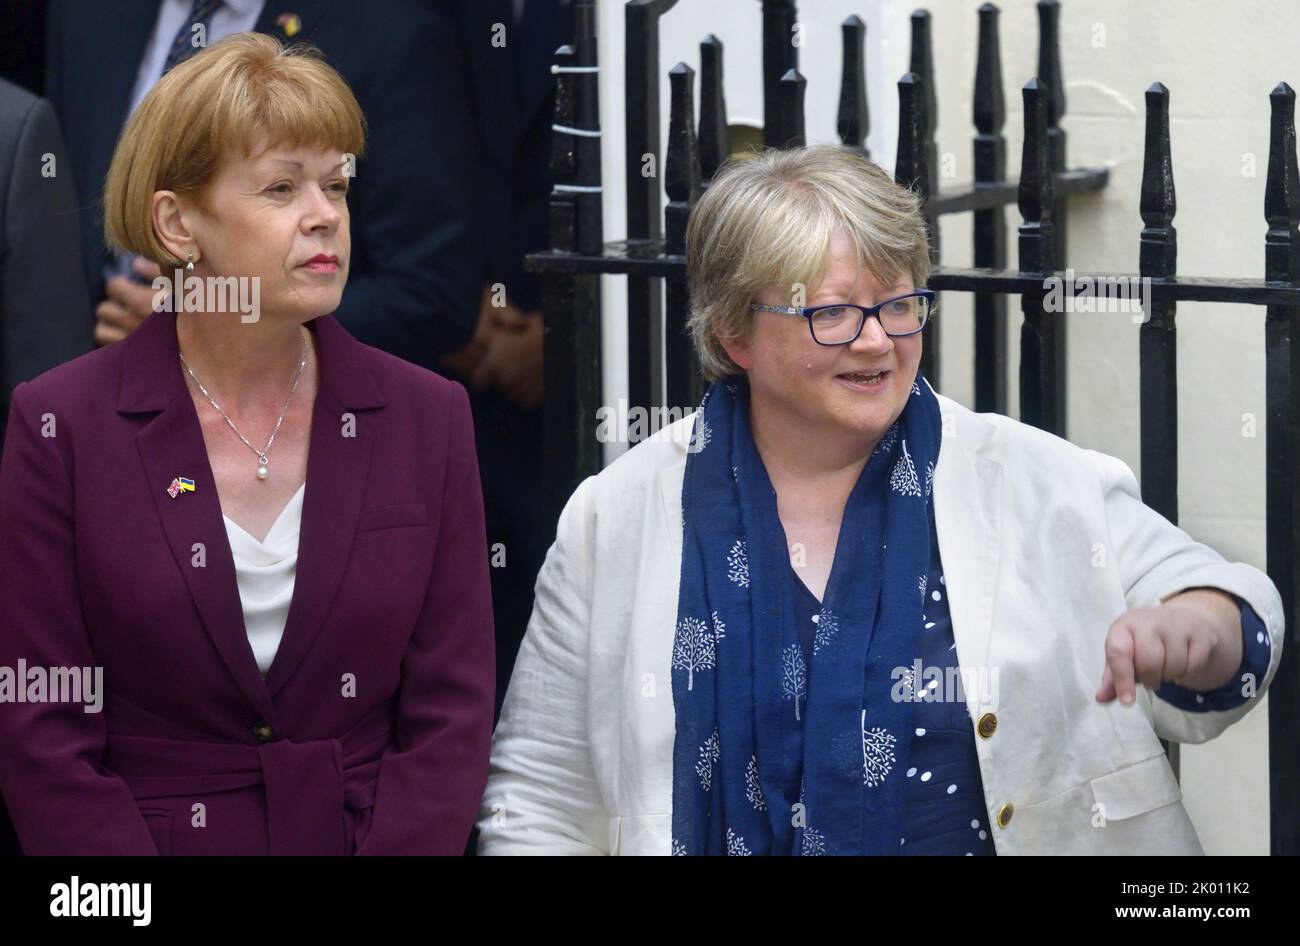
(182, 484)
(290, 23)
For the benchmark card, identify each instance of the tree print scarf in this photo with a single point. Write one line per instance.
(775, 752)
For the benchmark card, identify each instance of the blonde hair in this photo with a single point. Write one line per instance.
(219, 100)
(767, 221)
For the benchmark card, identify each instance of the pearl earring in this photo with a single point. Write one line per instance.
(189, 267)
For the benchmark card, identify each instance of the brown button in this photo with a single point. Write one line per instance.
(1004, 814)
(987, 725)
(264, 732)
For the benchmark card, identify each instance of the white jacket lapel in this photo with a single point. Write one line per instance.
(968, 519)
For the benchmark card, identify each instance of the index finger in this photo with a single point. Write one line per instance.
(146, 268)
(1120, 648)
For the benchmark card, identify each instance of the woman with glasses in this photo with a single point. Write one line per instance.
(835, 612)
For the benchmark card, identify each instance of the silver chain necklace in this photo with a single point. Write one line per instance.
(263, 458)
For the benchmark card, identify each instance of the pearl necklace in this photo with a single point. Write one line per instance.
(263, 458)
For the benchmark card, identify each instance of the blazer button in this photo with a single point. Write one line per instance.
(987, 725)
(1004, 814)
(264, 732)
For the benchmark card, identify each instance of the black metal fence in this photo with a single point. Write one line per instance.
(652, 259)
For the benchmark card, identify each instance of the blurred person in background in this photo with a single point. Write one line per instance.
(42, 297)
(509, 45)
(41, 293)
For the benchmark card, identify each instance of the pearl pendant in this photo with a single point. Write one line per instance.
(262, 471)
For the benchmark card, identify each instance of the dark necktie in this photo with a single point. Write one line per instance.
(183, 47)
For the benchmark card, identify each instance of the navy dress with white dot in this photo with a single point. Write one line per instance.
(945, 795)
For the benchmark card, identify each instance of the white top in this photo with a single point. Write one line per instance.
(265, 571)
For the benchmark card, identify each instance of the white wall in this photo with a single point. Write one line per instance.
(1219, 61)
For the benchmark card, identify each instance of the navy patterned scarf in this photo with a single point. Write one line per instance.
(779, 751)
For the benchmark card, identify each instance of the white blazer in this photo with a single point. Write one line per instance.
(1044, 544)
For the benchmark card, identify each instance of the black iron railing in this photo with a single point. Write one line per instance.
(650, 257)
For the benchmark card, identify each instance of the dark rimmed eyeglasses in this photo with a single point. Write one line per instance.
(842, 322)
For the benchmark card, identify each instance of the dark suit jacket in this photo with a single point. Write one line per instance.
(42, 299)
(513, 117)
(97, 568)
(412, 284)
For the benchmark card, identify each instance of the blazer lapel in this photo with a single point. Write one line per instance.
(968, 520)
(171, 445)
(117, 62)
(338, 462)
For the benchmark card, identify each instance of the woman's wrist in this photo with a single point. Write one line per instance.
(1222, 611)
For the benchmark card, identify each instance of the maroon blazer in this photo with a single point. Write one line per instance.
(370, 732)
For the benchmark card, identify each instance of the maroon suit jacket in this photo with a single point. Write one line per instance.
(370, 732)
